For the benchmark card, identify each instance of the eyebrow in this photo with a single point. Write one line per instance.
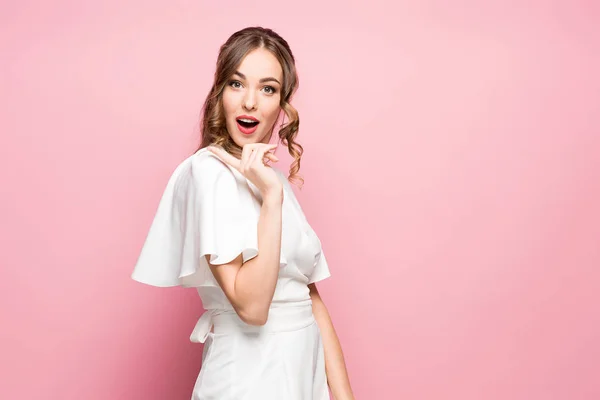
(268, 79)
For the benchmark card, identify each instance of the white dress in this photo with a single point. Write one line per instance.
(209, 207)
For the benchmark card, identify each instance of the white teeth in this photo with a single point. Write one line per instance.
(246, 120)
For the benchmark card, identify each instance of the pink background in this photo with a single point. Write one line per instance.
(452, 171)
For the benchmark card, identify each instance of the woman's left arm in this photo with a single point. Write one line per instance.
(335, 367)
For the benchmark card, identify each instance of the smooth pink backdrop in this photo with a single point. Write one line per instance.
(452, 171)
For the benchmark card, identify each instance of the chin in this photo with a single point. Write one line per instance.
(240, 139)
(243, 139)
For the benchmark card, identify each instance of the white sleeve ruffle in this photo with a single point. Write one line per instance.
(207, 208)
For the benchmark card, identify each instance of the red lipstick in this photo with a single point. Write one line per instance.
(247, 124)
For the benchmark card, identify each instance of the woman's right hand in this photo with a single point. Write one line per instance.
(253, 167)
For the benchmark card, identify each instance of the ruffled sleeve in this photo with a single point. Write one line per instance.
(207, 209)
(321, 270)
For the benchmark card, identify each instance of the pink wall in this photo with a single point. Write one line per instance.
(454, 181)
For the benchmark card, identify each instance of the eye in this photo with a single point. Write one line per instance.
(234, 83)
(270, 89)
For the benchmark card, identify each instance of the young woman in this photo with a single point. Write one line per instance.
(229, 225)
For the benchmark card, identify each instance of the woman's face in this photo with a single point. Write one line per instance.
(251, 98)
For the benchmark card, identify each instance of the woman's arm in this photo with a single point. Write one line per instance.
(250, 287)
(337, 375)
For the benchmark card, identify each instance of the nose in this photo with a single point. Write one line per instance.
(249, 101)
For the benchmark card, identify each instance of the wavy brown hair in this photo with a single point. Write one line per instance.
(213, 128)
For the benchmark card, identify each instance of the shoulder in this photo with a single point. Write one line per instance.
(207, 167)
(203, 170)
(206, 164)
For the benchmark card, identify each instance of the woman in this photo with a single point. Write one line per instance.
(230, 225)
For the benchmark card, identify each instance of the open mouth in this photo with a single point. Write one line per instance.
(246, 125)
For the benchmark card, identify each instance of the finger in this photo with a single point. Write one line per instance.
(225, 156)
(268, 149)
(261, 152)
(246, 153)
(271, 157)
(255, 155)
